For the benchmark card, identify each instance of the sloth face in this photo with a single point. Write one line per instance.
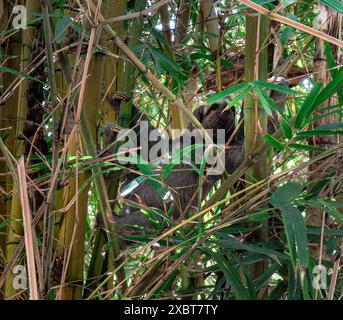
(217, 116)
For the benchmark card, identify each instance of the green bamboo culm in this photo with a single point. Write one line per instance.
(55, 120)
(125, 114)
(255, 117)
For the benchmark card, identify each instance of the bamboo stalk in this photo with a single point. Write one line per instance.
(177, 118)
(74, 225)
(182, 21)
(125, 114)
(255, 117)
(113, 75)
(29, 245)
(155, 82)
(47, 252)
(15, 227)
(100, 185)
(211, 24)
(88, 140)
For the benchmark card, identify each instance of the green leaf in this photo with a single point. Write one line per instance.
(267, 102)
(273, 86)
(330, 209)
(286, 3)
(156, 185)
(286, 194)
(285, 35)
(262, 97)
(331, 60)
(335, 204)
(61, 28)
(330, 126)
(17, 73)
(307, 107)
(259, 2)
(239, 96)
(226, 92)
(5, 223)
(336, 110)
(294, 223)
(326, 232)
(278, 292)
(305, 147)
(209, 57)
(315, 133)
(167, 61)
(286, 128)
(293, 285)
(232, 276)
(133, 184)
(260, 216)
(329, 90)
(264, 278)
(336, 5)
(288, 225)
(166, 284)
(296, 229)
(231, 243)
(274, 142)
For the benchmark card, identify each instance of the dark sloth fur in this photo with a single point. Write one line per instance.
(182, 182)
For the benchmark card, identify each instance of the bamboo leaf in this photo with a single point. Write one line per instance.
(314, 133)
(263, 99)
(209, 57)
(286, 194)
(177, 157)
(228, 242)
(133, 184)
(286, 34)
(263, 279)
(232, 276)
(295, 224)
(287, 223)
(336, 5)
(61, 28)
(274, 142)
(17, 73)
(5, 223)
(330, 60)
(329, 90)
(307, 106)
(226, 92)
(330, 126)
(326, 232)
(304, 147)
(239, 96)
(273, 86)
(269, 103)
(286, 128)
(332, 211)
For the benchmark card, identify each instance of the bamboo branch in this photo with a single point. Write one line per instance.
(277, 17)
(29, 245)
(135, 14)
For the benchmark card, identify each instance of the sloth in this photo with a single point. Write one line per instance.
(180, 192)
